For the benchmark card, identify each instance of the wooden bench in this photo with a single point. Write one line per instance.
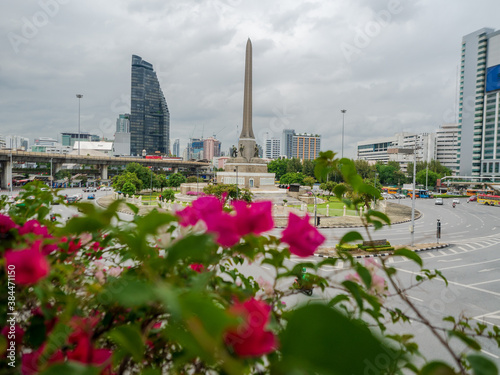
(374, 243)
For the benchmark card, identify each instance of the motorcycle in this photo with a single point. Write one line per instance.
(453, 204)
(303, 285)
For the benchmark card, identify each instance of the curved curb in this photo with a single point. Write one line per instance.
(385, 254)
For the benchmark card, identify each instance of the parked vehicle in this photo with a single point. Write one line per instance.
(89, 189)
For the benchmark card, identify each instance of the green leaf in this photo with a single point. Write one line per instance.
(337, 299)
(383, 217)
(128, 292)
(469, 341)
(128, 338)
(73, 368)
(436, 368)
(365, 275)
(354, 289)
(410, 255)
(133, 207)
(481, 365)
(319, 339)
(351, 237)
(194, 249)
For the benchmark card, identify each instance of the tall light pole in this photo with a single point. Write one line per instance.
(79, 96)
(343, 115)
(412, 227)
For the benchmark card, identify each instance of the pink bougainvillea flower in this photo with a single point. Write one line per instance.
(255, 218)
(250, 339)
(30, 264)
(6, 224)
(73, 244)
(30, 361)
(208, 207)
(188, 216)
(225, 227)
(197, 267)
(302, 237)
(34, 227)
(18, 334)
(96, 246)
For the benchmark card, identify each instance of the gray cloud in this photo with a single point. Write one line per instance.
(399, 75)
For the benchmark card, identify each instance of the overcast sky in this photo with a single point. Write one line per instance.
(391, 64)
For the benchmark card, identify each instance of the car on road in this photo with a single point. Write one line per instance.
(91, 196)
(89, 189)
(72, 198)
(439, 201)
(472, 198)
(456, 201)
(106, 188)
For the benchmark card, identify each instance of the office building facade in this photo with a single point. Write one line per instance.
(149, 114)
(211, 148)
(447, 147)
(272, 148)
(306, 146)
(69, 138)
(479, 114)
(287, 142)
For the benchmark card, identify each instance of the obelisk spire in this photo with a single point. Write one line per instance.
(247, 131)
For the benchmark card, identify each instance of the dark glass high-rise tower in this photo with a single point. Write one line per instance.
(149, 115)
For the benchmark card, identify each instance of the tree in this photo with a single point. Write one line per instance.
(161, 180)
(294, 165)
(192, 179)
(176, 179)
(142, 173)
(308, 167)
(168, 195)
(364, 169)
(292, 178)
(128, 188)
(230, 190)
(309, 181)
(388, 174)
(427, 178)
(121, 179)
(278, 167)
(328, 186)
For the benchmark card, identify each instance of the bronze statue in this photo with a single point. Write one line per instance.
(256, 152)
(241, 149)
(234, 152)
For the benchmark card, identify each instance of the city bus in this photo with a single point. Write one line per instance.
(471, 192)
(419, 193)
(489, 199)
(390, 190)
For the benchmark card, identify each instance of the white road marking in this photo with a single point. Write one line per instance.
(471, 264)
(449, 260)
(431, 255)
(454, 283)
(391, 260)
(340, 264)
(488, 269)
(453, 251)
(486, 282)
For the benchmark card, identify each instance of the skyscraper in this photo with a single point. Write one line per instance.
(287, 143)
(149, 115)
(176, 148)
(121, 146)
(478, 112)
(306, 146)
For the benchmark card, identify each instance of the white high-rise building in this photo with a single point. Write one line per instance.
(176, 148)
(479, 104)
(272, 148)
(447, 146)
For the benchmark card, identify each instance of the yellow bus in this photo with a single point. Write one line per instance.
(488, 199)
(471, 192)
(390, 190)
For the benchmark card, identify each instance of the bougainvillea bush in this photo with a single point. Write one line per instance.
(166, 293)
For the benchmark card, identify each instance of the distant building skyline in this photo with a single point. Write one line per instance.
(149, 114)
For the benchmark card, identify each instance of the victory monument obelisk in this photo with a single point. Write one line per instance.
(245, 168)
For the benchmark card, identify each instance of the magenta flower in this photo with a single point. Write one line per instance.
(256, 218)
(302, 237)
(225, 227)
(250, 339)
(30, 265)
(188, 216)
(197, 267)
(34, 227)
(208, 207)
(6, 224)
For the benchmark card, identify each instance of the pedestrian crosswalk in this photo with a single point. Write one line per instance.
(454, 249)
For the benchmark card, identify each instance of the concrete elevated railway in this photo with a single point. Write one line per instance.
(9, 157)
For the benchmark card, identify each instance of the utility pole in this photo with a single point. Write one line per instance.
(412, 227)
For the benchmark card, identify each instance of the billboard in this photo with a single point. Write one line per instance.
(493, 78)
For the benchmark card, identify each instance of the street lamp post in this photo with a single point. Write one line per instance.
(237, 184)
(79, 96)
(11, 168)
(343, 115)
(412, 227)
(151, 188)
(51, 174)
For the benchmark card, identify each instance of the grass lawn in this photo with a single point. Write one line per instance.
(336, 207)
